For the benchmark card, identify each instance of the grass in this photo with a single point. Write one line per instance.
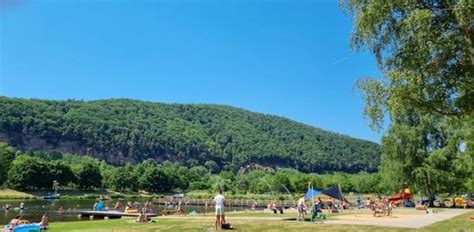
(13, 194)
(459, 223)
(247, 222)
(10, 194)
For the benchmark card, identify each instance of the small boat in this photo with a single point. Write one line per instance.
(51, 197)
(54, 196)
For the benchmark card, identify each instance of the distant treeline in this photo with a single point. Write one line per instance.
(217, 137)
(37, 170)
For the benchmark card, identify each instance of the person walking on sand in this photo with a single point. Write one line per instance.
(219, 203)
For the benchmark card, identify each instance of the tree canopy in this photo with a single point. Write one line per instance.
(38, 170)
(425, 50)
(219, 137)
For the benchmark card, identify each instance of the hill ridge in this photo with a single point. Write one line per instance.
(123, 130)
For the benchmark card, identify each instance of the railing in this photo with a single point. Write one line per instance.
(229, 203)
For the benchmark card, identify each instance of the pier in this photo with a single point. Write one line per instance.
(110, 214)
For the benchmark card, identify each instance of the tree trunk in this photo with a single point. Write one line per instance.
(431, 199)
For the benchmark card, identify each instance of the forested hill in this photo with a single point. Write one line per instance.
(219, 137)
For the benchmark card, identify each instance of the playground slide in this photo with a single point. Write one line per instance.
(401, 196)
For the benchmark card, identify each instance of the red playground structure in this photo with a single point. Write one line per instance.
(405, 196)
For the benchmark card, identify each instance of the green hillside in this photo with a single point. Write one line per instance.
(219, 137)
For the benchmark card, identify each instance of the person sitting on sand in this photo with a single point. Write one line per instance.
(467, 204)
(330, 204)
(344, 205)
(274, 208)
(368, 203)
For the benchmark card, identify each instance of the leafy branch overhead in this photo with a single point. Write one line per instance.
(425, 50)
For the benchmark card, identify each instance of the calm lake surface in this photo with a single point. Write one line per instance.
(34, 209)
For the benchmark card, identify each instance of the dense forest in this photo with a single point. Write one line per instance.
(38, 169)
(217, 137)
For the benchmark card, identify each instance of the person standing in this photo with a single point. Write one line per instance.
(301, 209)
(219, 202)
(179, 208)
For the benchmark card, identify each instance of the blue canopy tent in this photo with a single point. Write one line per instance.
(333, 191)
(311, 193)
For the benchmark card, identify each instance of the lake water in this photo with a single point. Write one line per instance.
(34, 209)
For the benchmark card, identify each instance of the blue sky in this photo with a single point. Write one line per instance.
(289, 58)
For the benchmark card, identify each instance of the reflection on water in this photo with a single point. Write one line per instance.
(60, 210)
(68, 210)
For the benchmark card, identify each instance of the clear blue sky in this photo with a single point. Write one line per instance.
(288, 58)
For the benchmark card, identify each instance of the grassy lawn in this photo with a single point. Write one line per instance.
(13, 194)
(10, 194)
(459, 223)
(202, 225)
(251, 222)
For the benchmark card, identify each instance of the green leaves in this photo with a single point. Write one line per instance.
(375, 96)
(425, 50)
(88, 175)
(220, 137)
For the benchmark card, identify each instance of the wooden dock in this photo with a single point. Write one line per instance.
(110, 214)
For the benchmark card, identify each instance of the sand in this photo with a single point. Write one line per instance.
(403, 217)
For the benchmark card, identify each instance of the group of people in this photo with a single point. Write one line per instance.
(275, 208)
(130, 207)
(381, 208)
(316, 209)
(332, 205)
(8, 207)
